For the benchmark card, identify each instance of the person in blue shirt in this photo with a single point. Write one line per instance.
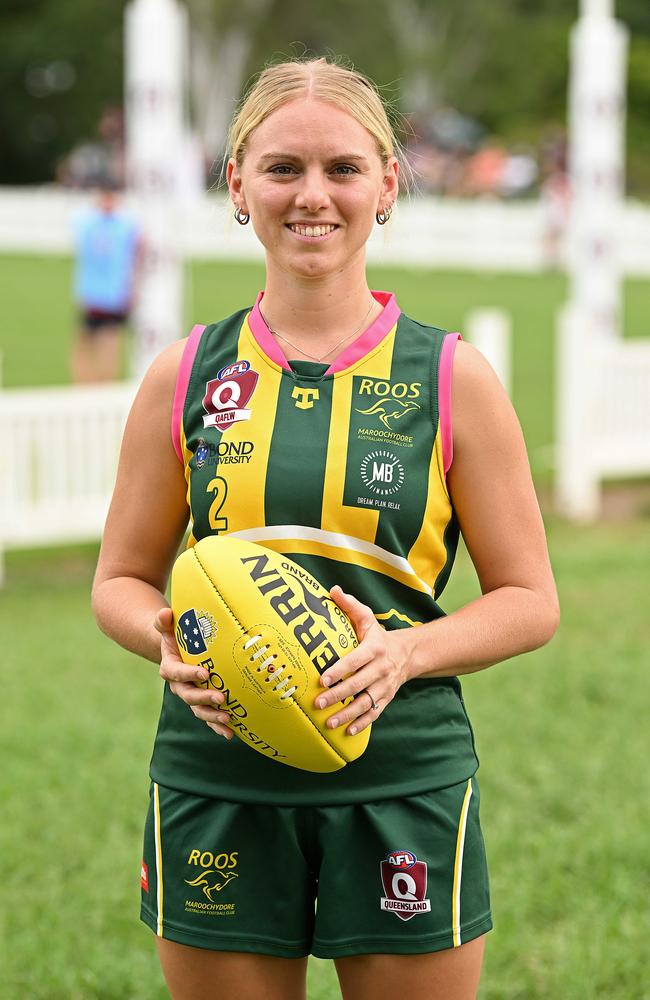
(106, 249)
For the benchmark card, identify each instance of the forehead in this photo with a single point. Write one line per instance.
(307, 126)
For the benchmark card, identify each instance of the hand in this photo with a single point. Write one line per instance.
(182, 679)
(375, 670)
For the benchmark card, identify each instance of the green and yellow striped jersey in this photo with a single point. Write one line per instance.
(342, 469)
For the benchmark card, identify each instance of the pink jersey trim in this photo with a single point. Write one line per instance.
(264, 337)
(363, 344)
(182, 382)
(444, 398)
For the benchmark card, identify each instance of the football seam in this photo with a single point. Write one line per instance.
(236, 619)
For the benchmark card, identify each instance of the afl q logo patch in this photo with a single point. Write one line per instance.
(227, 395)
(404, 880)
(382, 472)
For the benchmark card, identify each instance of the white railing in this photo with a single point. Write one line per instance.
(58, 455)
(603, 414)
(424, 232)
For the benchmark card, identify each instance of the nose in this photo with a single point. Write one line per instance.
(313, 195)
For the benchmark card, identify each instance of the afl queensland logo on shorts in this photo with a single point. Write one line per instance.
(227, 396)
(404, 879)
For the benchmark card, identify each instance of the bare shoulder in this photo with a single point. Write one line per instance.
(156, 392)
(163, 370)
(472, 371)
(480, 404)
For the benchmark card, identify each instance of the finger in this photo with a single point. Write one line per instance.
(193, 695)
(212, 715)
(358, 714)
(349, 664)
(359, 614)
(348, 688)
(221, 730)
(173, 669)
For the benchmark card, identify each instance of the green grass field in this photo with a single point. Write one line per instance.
(562, 733)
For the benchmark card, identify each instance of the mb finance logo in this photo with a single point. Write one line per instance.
(382, 472)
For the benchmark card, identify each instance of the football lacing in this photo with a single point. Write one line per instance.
(266, 664)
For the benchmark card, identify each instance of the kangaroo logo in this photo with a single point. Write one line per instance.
(317, 605)
(390, 409)
(203, 882)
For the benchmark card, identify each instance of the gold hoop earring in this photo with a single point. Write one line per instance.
(242, 217)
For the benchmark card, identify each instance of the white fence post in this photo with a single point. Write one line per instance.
(489, 330)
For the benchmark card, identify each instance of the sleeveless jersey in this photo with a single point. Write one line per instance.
(343, 470)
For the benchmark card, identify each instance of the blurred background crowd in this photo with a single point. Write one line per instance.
(482, 86)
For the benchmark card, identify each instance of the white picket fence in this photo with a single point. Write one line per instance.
(59, 446)
(603, 415)
(58, 455)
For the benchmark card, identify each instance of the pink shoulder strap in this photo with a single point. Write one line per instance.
(444, 397)
(182, 382)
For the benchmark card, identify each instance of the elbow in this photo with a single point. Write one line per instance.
(548, 619)
(97, 606)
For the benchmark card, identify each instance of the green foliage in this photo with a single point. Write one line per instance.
(505, 63)
(37, 128)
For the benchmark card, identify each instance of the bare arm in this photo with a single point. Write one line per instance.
(493, 495)
(494, 498)
(146, 522)
(146, 519)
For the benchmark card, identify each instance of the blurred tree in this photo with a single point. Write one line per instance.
(60, 65)
(504, 64)
(221, 39)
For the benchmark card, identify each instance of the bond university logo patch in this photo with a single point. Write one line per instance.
(227, 396)
(195, 630)
(404, 879)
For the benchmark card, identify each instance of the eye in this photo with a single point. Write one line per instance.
(281, 169)
(344, 170)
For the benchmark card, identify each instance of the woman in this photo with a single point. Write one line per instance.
(319, 422)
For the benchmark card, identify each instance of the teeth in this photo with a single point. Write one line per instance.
(312, 230)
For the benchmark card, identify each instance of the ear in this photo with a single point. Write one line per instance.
(235, 187)
(390, 184)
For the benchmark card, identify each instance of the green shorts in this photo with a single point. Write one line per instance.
(400, 876)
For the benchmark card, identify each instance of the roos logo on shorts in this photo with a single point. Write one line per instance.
(227, 395)
(405, 883)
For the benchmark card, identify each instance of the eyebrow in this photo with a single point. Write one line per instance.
(293, 156)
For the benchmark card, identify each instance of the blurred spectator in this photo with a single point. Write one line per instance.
(519, 175)
(100, 161)
(485, 171)
(555, 194)
(106, 246)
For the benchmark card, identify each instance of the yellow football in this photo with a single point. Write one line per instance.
(265, 630)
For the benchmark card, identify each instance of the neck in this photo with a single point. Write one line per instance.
(317, 312)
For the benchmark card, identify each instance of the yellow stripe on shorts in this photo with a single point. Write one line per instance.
(458, 864)
(159, 878)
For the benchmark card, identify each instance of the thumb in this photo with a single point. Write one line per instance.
(359, 614)
(164, 621)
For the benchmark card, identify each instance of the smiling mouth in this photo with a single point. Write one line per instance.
(312, 231)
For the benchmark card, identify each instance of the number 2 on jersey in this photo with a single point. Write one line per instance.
(219, 486)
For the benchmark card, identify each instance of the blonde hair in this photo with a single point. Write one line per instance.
(323, 80)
